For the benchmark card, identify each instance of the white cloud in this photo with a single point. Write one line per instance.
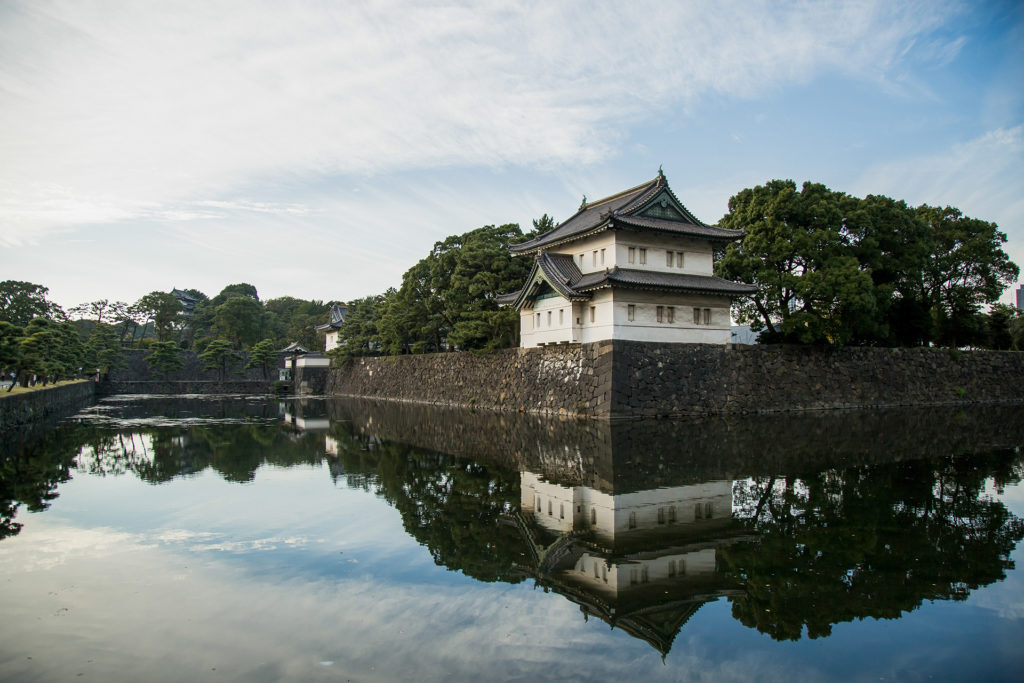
(139, 110)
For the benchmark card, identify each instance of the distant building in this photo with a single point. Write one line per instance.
(331, 327)
(636, 265)
(187, 301)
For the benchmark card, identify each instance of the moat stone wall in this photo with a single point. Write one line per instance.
(562, 380)
(135, 377)
(636, 379)
(24, 416)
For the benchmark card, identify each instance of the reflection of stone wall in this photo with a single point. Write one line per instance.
(635, 379)
(621, 456)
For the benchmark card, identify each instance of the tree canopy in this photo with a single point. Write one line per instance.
(831, 268)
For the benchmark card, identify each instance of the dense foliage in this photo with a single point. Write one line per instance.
(833, 268)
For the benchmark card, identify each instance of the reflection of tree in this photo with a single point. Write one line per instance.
(451, 506)
(30, 478)
(869, 542)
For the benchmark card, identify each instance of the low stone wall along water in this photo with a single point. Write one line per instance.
(635, 379)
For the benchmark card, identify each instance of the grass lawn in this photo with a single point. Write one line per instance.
(38, 387)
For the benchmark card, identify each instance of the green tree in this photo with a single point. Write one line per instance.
(359, 335)
(263, 356)
(966, 270)
(164, 357)
(448, 299)
(164, 310)
(40, 351)
(20, 302)
(238, 320)
(103, 350)
(219, 356)
(796, 250)
(10, 349)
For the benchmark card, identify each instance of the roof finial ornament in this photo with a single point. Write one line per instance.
(583, 204)
(661, 174)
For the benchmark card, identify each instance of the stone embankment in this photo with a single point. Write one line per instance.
(615, 379)
(46, 405)
(135, 377)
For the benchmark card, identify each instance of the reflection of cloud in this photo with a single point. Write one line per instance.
(117, 112)
(285, 628)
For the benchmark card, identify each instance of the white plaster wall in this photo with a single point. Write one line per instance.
(645, 326)
(534, 334)
(556, 502)
(619, 577)
(587, 247)
(645, 505)
(331, 340)
(603, 326)
(312, 362)
(698, 256)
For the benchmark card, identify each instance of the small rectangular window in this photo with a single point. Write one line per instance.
(537, 498)
(660, 313)
(538, 320)
(661, 515)
(602, 257)
(561, 316)
(549, 318)
(593, 313)
(593, 257)
(581, 260)
(707, 510)
(671, 514)
(679, 259)
(561, 510)
(696, 316)
(643, 256)
(632, 254)
(698, 511)
(668, 259)
(632, 520)
(549, 508)
(671, 568)
(631, 312)
(595, 570)
(707, 316)
(671, 314)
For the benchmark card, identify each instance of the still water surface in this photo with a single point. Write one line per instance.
(241, 539)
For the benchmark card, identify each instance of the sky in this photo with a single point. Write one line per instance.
(319, 150)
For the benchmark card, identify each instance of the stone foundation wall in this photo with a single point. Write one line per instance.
(22, 413)
(135, 377)
(560, 380)
(637, 379)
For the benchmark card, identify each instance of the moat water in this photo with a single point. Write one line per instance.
(250, 539)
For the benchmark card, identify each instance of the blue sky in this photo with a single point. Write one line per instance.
(320, 149)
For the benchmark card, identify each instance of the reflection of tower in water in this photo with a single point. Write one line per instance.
(643, 561)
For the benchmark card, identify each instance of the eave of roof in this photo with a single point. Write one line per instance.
(655, 280)
(614, 213)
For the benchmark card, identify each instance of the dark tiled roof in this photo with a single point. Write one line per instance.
(614, 211)
(559, 270)
(710, 232)
(592, 215)
(295, 347)
(647, 279)
(337, 318)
